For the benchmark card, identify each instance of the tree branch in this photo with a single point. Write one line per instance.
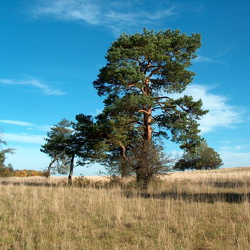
(143, 111)
(135, 121)
(154, 72)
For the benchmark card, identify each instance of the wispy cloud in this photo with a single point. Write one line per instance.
(220, 115)
(70, 10)
(235, 154)
(18, 123)
(26, 124)
(202, 59)
(235, 159)
(235, 147)
(47, 90)
(119, 16)
(24, 138)
(28, 157)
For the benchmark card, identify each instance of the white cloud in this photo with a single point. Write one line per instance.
(116, 15)
(32, 158)
(18, 123)
(220, 115)
(70, 10)
(26, 124)
(33, 83)
(96, 112)
(201, 59)
(161, 13)
(28, 158)
(24, 138)
(235, 159)
(235, 148)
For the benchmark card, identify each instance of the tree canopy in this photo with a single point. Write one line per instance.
(200, 157)
(3, 152)
(59, 146)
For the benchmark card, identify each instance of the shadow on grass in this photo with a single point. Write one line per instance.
(32, 184)
(202, 197)
(229, 184)
(228, 197)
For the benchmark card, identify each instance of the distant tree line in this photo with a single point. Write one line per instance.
(9, 171)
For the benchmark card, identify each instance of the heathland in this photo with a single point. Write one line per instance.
(207, 209)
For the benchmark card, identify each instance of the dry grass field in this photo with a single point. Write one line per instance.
(190, 210)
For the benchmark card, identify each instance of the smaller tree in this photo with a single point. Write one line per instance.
(2, 159)
(146, 161)
(59, 147)
(3, 153)
(7, 171)
(200, 157)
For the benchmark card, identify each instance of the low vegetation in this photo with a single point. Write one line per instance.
(9, 172)
(206, 209)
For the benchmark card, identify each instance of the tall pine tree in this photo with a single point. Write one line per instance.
(141, 73)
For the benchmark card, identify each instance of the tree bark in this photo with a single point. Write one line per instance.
(147, 114)
(71, 169)
(147, 125)
(143, 179)
(50, 167)
(142, 176)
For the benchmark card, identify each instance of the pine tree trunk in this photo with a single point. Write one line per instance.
(143, 166)
(70, 177)
(50, 167)
(147, 124)
(142, 177)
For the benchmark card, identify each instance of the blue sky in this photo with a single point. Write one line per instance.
(51, 52)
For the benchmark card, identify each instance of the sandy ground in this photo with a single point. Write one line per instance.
(242, 173)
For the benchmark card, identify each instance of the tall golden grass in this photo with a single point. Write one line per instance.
(191, 210)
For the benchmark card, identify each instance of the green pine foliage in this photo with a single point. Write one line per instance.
(3, 153)
(200, 157)
(58, 147)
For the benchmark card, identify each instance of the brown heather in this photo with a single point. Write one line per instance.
(191, 210)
